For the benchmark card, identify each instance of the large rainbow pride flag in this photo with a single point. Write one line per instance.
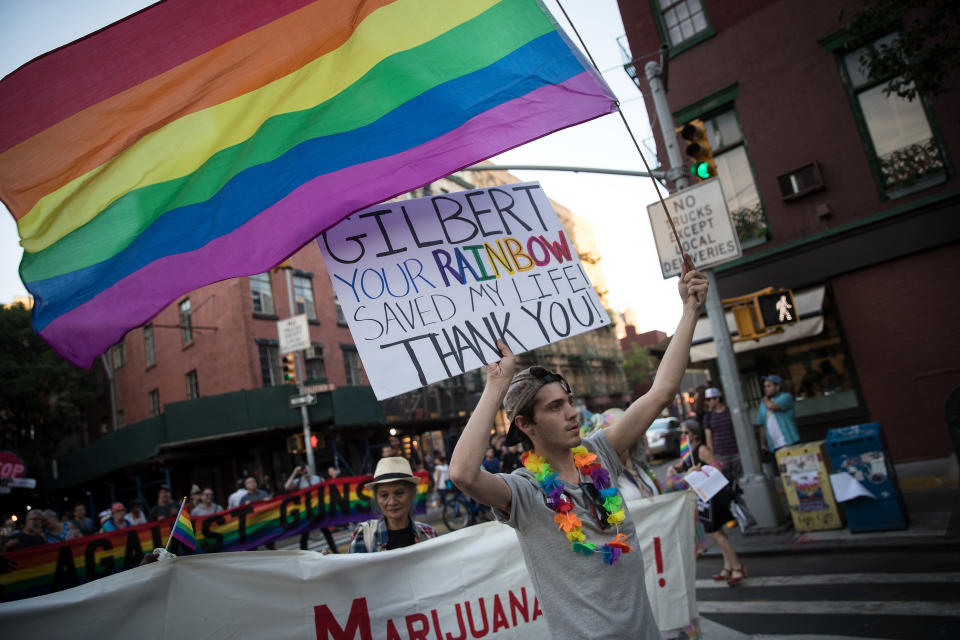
(197, 141)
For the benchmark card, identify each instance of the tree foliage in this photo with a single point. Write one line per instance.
(638, 368)
(43, 398)
(924, 58)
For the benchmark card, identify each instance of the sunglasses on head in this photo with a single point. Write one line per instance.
(546, 376)
(596, 504)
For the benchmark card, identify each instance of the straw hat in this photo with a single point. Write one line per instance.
(392, 470)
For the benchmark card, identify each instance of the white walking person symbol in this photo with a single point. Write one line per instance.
(783, 306)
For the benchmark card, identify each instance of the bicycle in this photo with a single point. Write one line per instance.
(459, 511)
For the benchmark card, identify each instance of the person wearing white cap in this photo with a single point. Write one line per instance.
(394, 487)
(718, 427)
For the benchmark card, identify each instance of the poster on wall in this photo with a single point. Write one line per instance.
(429, 285)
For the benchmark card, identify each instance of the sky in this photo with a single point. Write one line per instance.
(615, 205)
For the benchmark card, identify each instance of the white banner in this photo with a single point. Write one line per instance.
(470, 583)
(429, 285)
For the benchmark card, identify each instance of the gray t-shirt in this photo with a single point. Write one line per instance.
(581, 596)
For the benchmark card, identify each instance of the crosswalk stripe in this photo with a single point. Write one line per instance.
(844, 607)
(835, 578)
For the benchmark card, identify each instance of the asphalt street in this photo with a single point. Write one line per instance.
(900, 593)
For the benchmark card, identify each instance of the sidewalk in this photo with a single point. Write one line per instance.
(932, 498)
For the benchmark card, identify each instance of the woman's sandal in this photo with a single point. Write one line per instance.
(734, 580)
(723, 575)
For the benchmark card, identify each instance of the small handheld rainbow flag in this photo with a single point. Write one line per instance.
(183, 530)
(686, 456)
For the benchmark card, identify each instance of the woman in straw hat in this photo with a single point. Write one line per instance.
(394, 487)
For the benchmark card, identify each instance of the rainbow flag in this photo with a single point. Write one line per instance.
(197, 141)
(183, 530)
(686, 456)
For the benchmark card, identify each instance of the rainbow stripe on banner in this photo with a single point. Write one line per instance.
(52, 567)
(197, 141)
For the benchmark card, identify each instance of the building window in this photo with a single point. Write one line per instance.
(118, 355)
(262, 294)
(303, 293)
(353, 366)
(148, 345)
(341, 319)
(193, 388)
(155, 403)
(270, 364)
(186, 326)
(736, 177)
(316, 369)
(683, 21)
(902, 148)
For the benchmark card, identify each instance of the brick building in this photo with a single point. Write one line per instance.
(846, 195)
(199, 393)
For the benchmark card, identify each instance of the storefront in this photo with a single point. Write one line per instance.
(811, 356)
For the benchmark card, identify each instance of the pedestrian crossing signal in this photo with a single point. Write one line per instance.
(290, 369)
(777, 308)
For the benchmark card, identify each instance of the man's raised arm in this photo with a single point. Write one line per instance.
(465, 464)
(638, 417)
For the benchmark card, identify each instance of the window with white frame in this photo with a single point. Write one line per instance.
(352, 366)
(736, 177)
(149, 347)
(270, 373)
(262, 294)
(303, 294)
(193, 386)
(682, 20)
(155, 402)
(118, 355)
(316, 368)
(186, 325)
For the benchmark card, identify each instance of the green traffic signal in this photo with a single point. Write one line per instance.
(701, 170)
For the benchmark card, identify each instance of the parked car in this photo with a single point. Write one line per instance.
(663, 437)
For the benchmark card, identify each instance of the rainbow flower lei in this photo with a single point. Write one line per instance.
(567, 521)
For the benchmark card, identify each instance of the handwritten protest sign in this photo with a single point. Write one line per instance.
(429, 285)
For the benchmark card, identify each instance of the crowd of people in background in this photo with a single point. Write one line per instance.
(46, 526)
(774, 422)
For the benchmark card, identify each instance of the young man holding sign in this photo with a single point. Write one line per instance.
(578, 541)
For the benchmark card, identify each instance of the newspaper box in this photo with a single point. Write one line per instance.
(860, 451)
(806, 482)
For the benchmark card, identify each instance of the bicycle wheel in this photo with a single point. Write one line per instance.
(484, 514)
(456, 512)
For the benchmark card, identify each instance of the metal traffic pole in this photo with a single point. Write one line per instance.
(301, 372)
(758, 491)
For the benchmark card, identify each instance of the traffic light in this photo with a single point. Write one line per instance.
(776, 308)
(698, 148)
(290, 368)
(295, 443)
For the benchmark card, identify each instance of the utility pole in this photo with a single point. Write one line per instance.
(758, 491)
(301, 374)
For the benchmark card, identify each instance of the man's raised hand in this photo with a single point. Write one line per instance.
(502, 370)
(692, 286)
